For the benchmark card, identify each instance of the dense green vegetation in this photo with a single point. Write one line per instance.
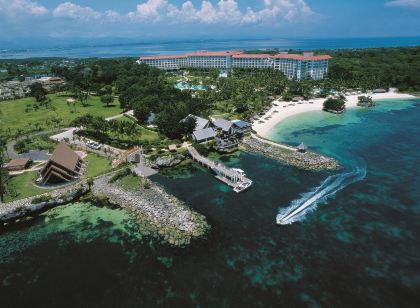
(375, 68)
(246, 91)
(21, 68)
(4, 174)
(139, 87)
(35, 143)
(335, 104)
(365, 101)
(121, 133)
(146, 90)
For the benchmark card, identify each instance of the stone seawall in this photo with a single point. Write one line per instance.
(307, 161)
(158, 213)
(25, 207)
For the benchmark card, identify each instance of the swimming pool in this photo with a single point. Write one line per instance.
(187, 86)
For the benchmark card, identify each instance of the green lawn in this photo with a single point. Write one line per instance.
(96, 165)
(13, 115)
(144, 134)
(23, 186)
(130, 182)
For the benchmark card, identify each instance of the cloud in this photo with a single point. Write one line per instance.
(75, 11)
(153, 11)
(16, 8)
(404, 3)
(225, 11)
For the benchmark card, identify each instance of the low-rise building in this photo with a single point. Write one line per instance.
(241, 127)
(63, 166)
(204, 135)
(19, 164)
(223, 126)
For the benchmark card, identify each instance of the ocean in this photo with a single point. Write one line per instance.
(135, 49)
(359, 247)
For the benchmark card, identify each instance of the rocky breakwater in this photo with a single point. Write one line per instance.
(158, 213)
(290, 156)
(18, 209)
(167, 161)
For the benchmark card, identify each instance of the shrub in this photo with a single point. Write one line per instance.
(40, 199)
(146, 185)
(202, 149)
(120, 174)
(337, 104)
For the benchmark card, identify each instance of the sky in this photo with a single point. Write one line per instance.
(49, 20)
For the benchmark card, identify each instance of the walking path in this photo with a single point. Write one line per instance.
(34, 154)
(129, 112)
(228, 176)
(286, 147)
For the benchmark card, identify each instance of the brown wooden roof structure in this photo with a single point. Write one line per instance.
(64, 165)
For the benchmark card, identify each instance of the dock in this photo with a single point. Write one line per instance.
(224, 174)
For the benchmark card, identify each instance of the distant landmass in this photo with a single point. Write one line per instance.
(131, 48)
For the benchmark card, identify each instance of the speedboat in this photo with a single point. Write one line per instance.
(279, 219)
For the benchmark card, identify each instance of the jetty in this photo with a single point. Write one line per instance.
(299, 157)
(231, 177)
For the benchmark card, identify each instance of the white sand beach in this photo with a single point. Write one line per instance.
(278, 113)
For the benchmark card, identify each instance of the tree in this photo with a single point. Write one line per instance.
(141, 112)
(107, 99)
(38, 91)
(334, 104)
(4, 176)
(365, 101)
(107, 90)
(89, 182)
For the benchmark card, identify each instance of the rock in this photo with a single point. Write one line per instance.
(168, 161)
(158, 213)
(20, 208)
(308, 161)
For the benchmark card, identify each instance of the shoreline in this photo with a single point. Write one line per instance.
(279, 113)
(157, 212)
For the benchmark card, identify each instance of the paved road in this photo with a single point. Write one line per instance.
(34, 154)
(129, 112)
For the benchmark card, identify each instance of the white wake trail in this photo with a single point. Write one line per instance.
(309, 201)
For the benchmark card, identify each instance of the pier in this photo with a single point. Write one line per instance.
(230, 177)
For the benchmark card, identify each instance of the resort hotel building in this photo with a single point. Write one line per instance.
(294, 66)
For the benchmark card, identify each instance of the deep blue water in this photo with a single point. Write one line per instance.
(153, 48)
(359, 249)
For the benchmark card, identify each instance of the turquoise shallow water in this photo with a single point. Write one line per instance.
(360, 248)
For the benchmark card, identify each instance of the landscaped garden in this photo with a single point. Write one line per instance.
(96, 165)
(26, 115)
(22, 186)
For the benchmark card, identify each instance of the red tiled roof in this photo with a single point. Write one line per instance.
(302, 58)
(214, 53)
(239, 54)
(162, 57)
(250, 56)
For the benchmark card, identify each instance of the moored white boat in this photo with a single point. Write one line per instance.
(242, 186)
(240, 171)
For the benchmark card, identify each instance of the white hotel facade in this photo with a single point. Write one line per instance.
(303, 66)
